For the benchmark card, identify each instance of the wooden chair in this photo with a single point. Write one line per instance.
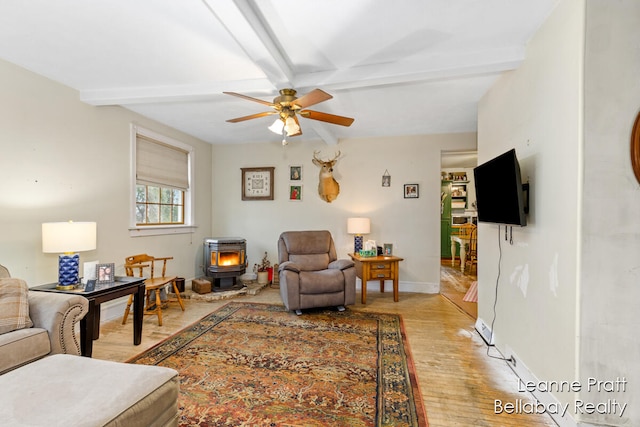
(464, 230)
(153, 285)
(472, 254)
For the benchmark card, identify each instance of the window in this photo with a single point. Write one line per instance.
(159, 205)
(161, 182)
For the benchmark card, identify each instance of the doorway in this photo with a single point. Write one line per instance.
(457, 284)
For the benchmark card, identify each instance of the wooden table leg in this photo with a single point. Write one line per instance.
(87, 330)
(395, 288)
(138, 314)
(96, 322)
(365, 274)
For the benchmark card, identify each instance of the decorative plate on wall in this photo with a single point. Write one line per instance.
(635, 147)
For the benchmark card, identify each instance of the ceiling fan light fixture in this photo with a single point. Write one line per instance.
(291, 127)
(277, 127)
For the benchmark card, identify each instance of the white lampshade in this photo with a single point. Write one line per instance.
(291, 127)
(277, 127)
(65, 237)
(358, 226)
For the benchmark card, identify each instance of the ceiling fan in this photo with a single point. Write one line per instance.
(288, 107)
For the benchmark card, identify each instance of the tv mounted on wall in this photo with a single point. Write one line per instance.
(499, 191)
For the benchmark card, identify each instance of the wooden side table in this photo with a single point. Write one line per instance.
(377, 268)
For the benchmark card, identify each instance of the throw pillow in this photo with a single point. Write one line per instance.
(14, 305)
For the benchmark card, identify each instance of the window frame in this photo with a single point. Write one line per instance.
(189, 226)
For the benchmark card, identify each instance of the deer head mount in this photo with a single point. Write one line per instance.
(328, 187)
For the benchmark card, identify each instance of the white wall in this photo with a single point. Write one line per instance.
(411, 225)
(64, 160)
(610, 267)
(567, 304)
(537, 110)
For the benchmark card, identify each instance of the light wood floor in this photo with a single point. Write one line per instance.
(454, 285)
(458, 381)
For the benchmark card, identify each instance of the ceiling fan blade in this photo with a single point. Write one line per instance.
(326, 117)
(252, 116)
(239, 95)
(314, 97)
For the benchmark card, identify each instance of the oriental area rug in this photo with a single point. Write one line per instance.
(250, 364)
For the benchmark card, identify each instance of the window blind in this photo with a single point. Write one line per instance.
(161, 164)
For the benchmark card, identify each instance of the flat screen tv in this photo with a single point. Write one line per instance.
(499, 191)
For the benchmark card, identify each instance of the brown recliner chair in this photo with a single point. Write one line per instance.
(311, 275)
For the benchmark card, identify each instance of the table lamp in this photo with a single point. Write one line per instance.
(66, 238)
(358, 226)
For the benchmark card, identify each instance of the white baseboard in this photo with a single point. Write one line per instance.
(545, 398)
(485, 331)
(111, 310)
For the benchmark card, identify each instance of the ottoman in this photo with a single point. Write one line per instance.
(67, 390)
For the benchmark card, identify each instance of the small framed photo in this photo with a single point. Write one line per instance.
(386, 179)
(388, 249)
(90, 286)
(295, 173)
(411, 191)
(105, 273)
(295, 193)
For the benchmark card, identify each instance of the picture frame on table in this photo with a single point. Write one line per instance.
(105, 273)
(411, 191)
(387, 249)
(90, 286)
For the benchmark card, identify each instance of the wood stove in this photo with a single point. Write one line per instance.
(225, 260)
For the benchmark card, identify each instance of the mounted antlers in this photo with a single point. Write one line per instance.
(328, 187)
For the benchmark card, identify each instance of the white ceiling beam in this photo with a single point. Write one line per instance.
(167, 94)
(322, 130)
(360, 77)
(371, 76)
(247, 27)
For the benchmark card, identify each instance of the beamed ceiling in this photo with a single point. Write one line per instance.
(404, 67)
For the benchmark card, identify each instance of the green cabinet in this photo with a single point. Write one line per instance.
(453, 200)
(445, 239)
(445, 219)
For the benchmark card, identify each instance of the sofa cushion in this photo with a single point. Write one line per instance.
(66, 390)
(23, 346)
(14, 305)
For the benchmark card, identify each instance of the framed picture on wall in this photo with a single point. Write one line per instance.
(411, 191)
(257, 183)
(295, 173)
(295, 193)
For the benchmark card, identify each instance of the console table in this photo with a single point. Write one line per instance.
(90, 324)
(377, 268)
